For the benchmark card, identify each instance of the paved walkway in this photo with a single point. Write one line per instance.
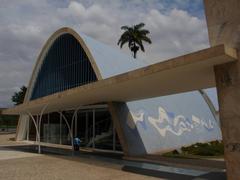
(6, 154)
(18, 164)
(43, 167)
(22, 162)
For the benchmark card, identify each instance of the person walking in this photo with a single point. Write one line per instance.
(76, 143)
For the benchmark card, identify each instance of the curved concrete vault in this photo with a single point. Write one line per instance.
(136, 121)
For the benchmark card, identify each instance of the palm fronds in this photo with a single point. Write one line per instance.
(134, 36)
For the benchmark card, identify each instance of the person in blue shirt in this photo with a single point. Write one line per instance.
(76, 143)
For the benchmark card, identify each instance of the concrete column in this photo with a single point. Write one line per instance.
(113, 108)
(223, 21)
(228, 88)
(129, 138)
(28, 129)
(37, 120)
(22, 128)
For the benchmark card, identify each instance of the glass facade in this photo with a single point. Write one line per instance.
(65, 66)
(94, 127)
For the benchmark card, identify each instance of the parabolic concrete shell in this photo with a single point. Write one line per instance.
(153, 125)
(163, 123)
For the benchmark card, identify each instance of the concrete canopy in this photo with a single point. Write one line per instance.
(181, 74)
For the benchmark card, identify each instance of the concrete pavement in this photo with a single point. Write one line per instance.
(22, 162)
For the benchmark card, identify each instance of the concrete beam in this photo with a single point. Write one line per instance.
(185, 73)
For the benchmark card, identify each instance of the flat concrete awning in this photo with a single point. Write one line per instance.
(185, 73)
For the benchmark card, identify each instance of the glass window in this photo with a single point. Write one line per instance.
(65, 66)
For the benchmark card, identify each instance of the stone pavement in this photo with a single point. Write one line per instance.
(44, 167)
(21, 162)
(15, 164)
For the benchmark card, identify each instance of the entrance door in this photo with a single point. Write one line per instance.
(83, 127)
(95, 129)
(103, 130)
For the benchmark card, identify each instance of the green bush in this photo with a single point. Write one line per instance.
(214, 148)
(205, 149)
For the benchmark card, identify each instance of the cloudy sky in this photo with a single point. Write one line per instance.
(177, 27)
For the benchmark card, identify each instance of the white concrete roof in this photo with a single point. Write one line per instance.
(185, 73)
(110, 61)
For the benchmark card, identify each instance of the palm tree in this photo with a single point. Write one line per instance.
(134, 36)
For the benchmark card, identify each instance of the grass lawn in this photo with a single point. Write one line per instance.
(210, 150)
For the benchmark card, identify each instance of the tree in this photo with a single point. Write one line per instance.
(134, 36)
(18, 97)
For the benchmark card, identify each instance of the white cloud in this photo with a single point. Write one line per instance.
(174, 34)
(25, 25)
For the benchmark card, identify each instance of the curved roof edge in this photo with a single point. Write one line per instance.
(111, 61)
(105, 60)
(45, 49)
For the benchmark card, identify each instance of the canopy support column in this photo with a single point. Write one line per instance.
(210, 105)
(37, 124)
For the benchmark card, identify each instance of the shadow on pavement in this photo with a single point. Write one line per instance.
(174, 176)
(110, 159)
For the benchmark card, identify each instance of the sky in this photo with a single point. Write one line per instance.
(176, 27)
